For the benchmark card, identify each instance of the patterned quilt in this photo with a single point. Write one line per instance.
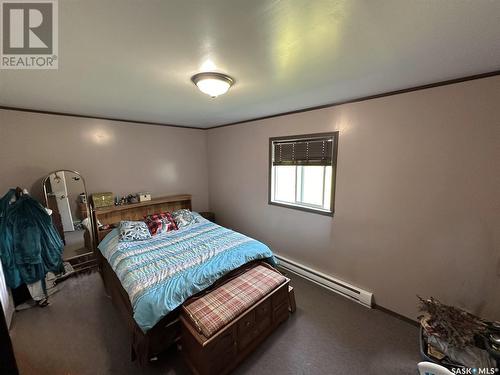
(160, 273)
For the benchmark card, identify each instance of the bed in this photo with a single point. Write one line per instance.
(149, 280)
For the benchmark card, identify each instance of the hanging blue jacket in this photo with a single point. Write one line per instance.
(29, 243)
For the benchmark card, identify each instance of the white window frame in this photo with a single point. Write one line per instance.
(298, 203)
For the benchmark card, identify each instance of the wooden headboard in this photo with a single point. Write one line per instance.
(137, 211)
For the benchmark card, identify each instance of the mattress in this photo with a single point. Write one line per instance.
(160, 273)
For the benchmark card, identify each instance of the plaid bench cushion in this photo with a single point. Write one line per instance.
(219, 307)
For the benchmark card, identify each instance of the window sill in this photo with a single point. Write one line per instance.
(301, 208)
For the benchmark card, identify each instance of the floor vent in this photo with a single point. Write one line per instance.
(347, 290)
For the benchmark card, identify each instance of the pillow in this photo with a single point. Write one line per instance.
(133, 231)
(183, 218)
(160, 223)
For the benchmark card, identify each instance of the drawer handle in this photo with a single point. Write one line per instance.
(247, 324)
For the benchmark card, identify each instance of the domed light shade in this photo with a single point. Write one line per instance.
(212, 83)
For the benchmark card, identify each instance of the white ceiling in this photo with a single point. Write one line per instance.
(133, 59)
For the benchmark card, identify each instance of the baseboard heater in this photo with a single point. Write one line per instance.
(347, 290)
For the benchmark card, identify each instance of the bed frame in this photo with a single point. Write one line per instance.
(144, 346)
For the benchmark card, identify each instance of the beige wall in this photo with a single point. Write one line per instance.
(417, 196)
(112, 156)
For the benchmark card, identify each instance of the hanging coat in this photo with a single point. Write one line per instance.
(29, 243)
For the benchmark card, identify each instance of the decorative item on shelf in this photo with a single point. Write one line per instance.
(103, 199)
(144, 196)
(131, 198)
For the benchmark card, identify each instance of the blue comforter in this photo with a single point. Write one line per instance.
(159, 274)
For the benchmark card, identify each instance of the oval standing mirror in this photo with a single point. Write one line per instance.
(66, 196)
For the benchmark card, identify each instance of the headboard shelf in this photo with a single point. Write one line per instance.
(155, 201)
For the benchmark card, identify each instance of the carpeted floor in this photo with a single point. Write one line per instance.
(81, 333)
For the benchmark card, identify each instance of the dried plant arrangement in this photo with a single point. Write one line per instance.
(452, 324)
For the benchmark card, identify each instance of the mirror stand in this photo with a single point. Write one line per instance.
(66, 197)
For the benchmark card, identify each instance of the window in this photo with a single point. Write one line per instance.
(302, 172)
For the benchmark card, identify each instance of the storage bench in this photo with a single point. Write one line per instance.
(220, 328)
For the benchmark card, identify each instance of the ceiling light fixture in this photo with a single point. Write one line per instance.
(212, 83)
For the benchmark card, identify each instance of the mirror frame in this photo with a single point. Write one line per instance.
(87, 204)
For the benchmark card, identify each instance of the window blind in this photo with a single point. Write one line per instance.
(316, 151)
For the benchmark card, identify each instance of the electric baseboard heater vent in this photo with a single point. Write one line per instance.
(338, 286)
